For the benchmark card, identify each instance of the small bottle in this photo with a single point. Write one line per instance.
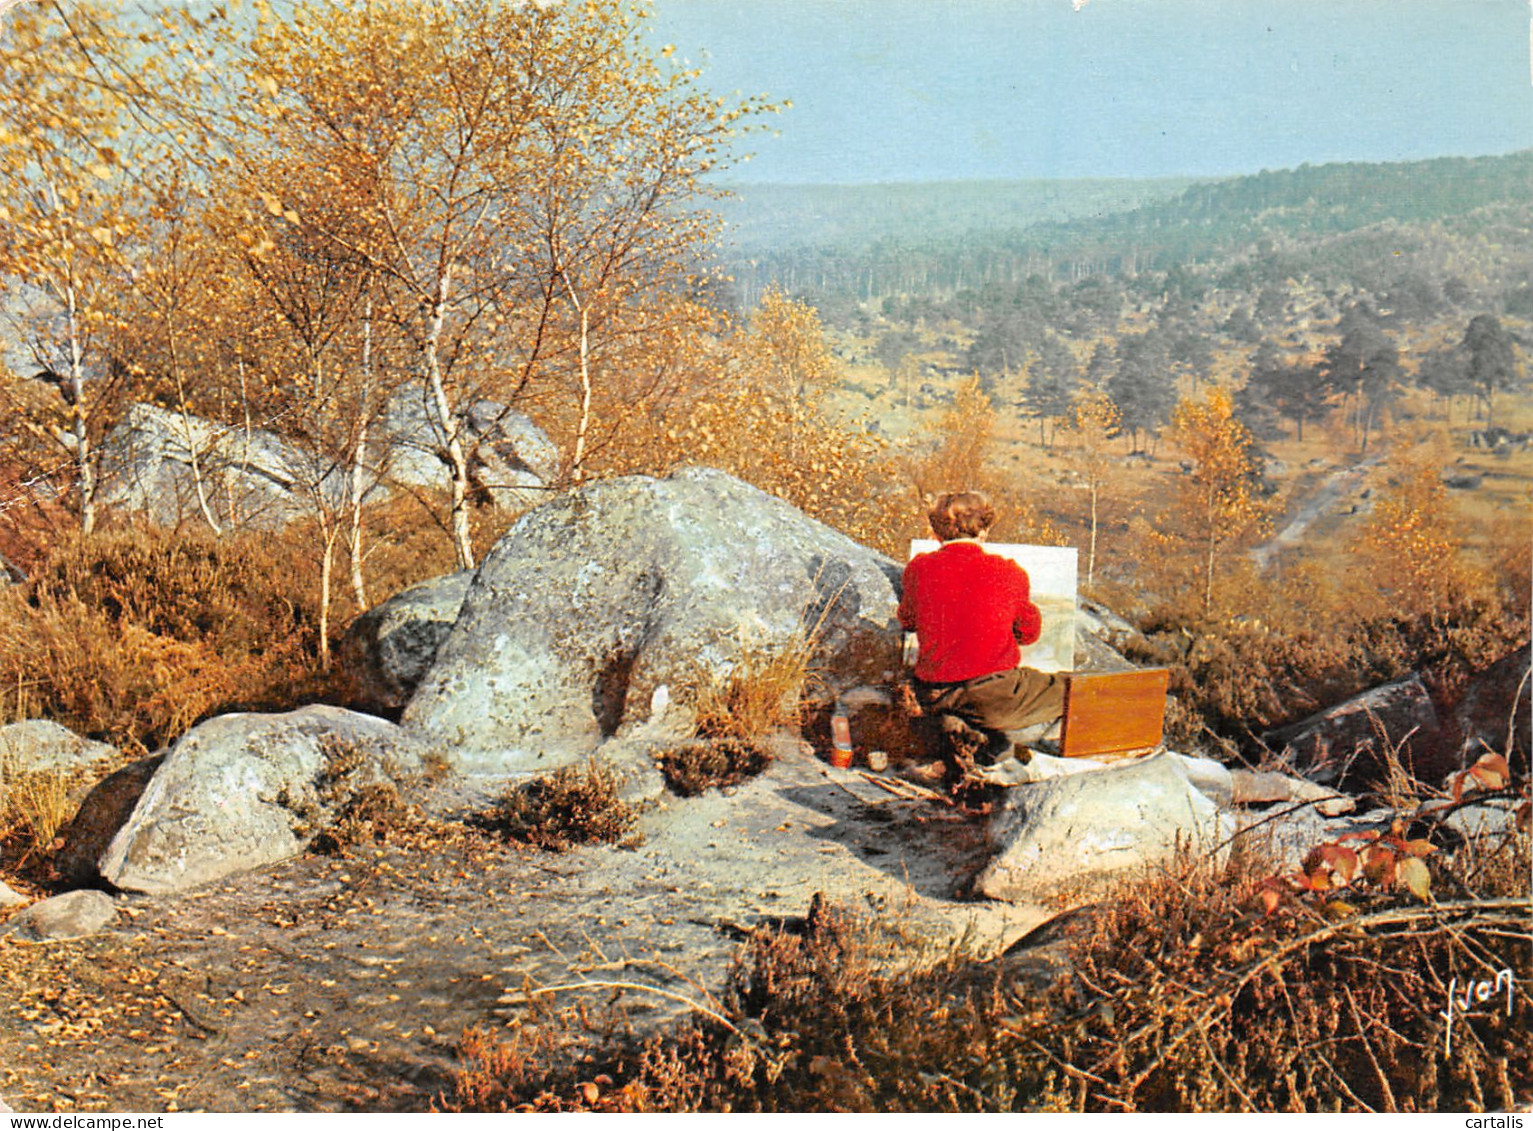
(840, 738)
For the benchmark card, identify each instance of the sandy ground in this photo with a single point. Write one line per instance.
(344, 983)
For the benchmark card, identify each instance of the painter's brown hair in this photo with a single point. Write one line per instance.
(961, 514)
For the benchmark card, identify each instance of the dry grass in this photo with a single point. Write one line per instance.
(36, 806)
(763, 692)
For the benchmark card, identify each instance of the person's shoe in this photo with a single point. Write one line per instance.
(964, 741)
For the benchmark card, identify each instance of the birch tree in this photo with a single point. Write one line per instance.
(67, 218)
(522, 172)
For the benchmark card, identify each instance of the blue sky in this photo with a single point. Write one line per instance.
(909, 90)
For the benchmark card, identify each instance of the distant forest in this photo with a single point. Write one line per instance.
(874, 242)
(1315, 286)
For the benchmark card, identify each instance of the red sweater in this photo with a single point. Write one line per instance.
(971, 610)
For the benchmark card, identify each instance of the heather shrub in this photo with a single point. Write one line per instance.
(133, 636)
(1181, 993)
(1302, 643)
(692, 768)
(573, 806)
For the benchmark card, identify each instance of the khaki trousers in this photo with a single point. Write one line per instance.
(994, 704)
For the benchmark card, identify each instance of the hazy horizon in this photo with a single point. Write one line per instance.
(909, 92)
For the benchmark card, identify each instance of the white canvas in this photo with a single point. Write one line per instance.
(1052, 571)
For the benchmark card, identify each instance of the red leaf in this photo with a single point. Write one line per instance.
(1491, 771)
(1362, 834)
(1379, 866)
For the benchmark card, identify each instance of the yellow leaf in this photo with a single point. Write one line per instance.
(101, 172)
(1413, 874)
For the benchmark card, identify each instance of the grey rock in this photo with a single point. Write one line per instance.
(1100, 637)
(597, 598)
(1282, 837)
(252, 478)
(1493, 818)
(1492, 713)
(1257, 787)
(387, 649)
(511, 459)
(1344, 742)
(1088, 827)
(40, 745)
(9, 897)
(635, 763)
(72, 915)
(242, 791)
(1210, 778)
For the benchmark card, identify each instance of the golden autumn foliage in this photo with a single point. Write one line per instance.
(1408, 549)
(783, 348)
(1217, 503)
(956, 453)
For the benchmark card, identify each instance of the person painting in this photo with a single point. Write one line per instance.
(972, 611)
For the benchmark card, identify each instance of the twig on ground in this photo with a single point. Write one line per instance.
(640, 987)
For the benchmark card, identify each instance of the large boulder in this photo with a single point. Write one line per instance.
(152, 460)
(387, 649)
(1349, 742)
(1100, 637)
(1083, 828)
(511, 459)
(598, 598)
(241, 791)
(101, 813)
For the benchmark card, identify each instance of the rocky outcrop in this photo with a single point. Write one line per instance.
(1492, 712)
(511, 461)
(155, 458)
(1348, 742)
(387, 649)
(9, 897)
(72, 915)
(1284, 836)
(1083, 828)
(1100, 637)
(241, 791)
(599, 597)
(40, 745)
(152, 460)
